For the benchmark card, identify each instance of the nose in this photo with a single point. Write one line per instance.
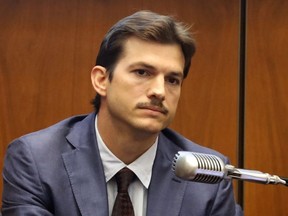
(157, 88)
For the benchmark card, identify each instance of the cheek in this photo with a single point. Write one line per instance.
(136, 90)
(125, 93)
(173, 99)
(174, 106)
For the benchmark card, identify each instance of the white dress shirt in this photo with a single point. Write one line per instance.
(142, 167)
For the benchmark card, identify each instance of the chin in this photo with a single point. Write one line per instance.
(152, 127)
(148, 124)
(153, 130)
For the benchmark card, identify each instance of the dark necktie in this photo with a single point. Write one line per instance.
(123, 205)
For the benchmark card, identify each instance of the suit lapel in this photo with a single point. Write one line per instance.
(84, 168)
(166, 191)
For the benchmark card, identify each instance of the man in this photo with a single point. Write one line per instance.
(70, 168)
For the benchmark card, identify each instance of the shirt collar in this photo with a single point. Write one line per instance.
(142, 166)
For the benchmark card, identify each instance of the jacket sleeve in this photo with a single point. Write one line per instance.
(23, 192)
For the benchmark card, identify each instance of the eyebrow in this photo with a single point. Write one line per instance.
(141, 64)
(151, 67)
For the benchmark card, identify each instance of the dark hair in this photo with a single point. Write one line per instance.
(148, 26)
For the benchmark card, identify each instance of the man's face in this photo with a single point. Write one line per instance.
(146, 85)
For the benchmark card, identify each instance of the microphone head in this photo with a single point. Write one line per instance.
(198, 167)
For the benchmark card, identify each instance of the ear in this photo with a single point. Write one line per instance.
(99, 78)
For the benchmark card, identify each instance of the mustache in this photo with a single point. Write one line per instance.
(154, 104)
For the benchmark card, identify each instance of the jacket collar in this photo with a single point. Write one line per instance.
(84, 168)
(166, 191)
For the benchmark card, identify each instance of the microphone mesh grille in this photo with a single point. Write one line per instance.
(208, 162)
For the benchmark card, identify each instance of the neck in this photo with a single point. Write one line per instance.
(125, 142)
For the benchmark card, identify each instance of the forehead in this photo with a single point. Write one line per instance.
(155, 53)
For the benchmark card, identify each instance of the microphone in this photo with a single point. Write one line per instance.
(211, 169)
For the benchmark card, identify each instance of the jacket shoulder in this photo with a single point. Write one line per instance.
(185, 144)
(50, 136)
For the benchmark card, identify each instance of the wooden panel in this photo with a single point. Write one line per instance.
(267, 104)
(47, 49)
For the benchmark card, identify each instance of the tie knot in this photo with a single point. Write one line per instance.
(123, 178)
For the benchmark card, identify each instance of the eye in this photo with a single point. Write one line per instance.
(173, 80)
(142, 72)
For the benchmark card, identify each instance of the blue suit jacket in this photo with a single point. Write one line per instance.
(58, 171)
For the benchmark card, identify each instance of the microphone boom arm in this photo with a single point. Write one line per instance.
(253, 176)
